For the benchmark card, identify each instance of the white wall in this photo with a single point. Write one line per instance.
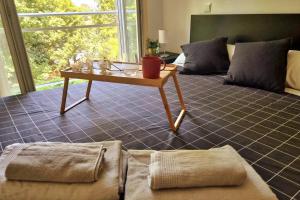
(176, 14)
(152, 19)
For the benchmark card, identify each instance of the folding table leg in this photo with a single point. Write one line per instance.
(88, 90)
(63, 108)
(168, 112)
(173, 126)
(64, 96)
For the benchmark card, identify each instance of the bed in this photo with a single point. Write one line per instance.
(264, 127)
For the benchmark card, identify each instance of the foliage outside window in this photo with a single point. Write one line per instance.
(51, 40)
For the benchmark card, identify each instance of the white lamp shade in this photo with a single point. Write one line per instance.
(162, 37)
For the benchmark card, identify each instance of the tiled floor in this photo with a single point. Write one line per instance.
(264, 127)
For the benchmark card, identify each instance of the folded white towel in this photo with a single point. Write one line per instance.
(137, 188)
(196, 168)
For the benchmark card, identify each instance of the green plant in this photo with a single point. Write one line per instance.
(152, 44)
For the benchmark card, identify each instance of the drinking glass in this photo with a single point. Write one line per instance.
(129, 69)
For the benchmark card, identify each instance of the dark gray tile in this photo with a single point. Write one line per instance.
(214, 138)
(277, 119)
(135, 145)
(294, 141)
(28, 132)
(6, 143)
(249, 154)
(288, 131)
(225, 133)
(202, 144)
(176, 143)
(285, 115)
(262, 114)
(260, 148)
(34, 138)
(201, 132)
(264, 173)
(4, 131)
(253, 118)
(241, 140)
(211, 127)
(269, 124)
(60, 139)
(281, 157)
(253, 135)
(291, 174)
(76, 135)
(49, 128)
(25, 126)
(69, 129)
(6, 124)
(280, 195)
(278, 135)
(284, 185)
(126, 138)
(52, 134)
(84, 140)
(292, 111)
(187, 137)
(162, 146)
(296, 164)
(270, 164)
(235, 128)
(260, 129)
(294, 125)
(93, 131)
(270, 142)
(292, 150)
(244, 123)
(10, 136)
(233, 144)
(297, 197)
(101, 137)
(150, 141)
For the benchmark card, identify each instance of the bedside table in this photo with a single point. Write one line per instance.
(171, 58)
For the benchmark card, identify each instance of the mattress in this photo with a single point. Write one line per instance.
(264, 127)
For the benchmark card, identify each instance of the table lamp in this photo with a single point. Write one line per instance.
(162, 39)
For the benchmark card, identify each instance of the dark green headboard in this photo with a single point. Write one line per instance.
(247, 27)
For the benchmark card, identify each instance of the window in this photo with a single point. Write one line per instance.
(54, 31)
(8, 81)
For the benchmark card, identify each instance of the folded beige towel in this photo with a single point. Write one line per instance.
(106, 188)
(214, 167)
(137, 188)
(56, 162)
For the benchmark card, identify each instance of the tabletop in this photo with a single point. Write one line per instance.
(118, 76)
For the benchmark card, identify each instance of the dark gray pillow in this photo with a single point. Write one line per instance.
(206, 57)
(260, 64)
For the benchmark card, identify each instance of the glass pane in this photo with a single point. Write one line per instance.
(49, 51)
(43, 6)
(54, 32)
(8, 82)
(131, 28)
